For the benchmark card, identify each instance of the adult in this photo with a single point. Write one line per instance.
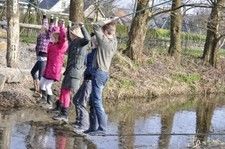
(105, 32)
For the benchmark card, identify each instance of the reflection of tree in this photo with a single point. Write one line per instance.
(204, 113)
(5, 132)
(1, 138)
(126, 131)
(37, 137)
(166, 128)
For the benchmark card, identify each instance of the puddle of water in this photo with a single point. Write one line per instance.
(179, 125)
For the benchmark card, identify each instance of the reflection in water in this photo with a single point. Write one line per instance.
(1, 138)
(204, 113)
(166, 128)
(188, 117)
(126, 129)
(38, 137)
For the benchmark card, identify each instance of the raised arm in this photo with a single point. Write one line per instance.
(62, 36)
(87, 37)
(97, 27)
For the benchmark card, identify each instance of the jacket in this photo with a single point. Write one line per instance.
(76, 55)
(55, 57)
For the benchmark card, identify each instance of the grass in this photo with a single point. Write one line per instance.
(28, 39)
(151, 61)
(127, 84)
(195, 53)
(190, 79)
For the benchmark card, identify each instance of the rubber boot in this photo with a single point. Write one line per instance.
(58, 107)
(49, 102)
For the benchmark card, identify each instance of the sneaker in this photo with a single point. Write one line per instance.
(97, 133)
(47, 106)
(79, 130)
(61, 117)
(76, 124)
(89, 131)
(56, 110)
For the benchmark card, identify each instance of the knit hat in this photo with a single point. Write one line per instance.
(75, 30)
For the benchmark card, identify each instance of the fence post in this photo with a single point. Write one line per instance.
(12, 32)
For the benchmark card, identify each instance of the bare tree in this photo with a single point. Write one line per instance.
(175, 30)
(76, 10)
(213, 35)
(138, 31)
(12, 32)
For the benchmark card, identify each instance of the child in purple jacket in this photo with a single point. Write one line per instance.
(41, 52)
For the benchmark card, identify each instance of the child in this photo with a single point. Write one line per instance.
(41, 52)
(56, 50)
(81, 98)
(74, 69)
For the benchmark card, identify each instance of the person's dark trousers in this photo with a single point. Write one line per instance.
(80, 100)
(38, 67)
(97, 112)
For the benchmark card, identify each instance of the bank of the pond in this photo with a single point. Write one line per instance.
(160, 75)
(157, 76)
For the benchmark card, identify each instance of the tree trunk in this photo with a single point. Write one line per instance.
(138, 31)
(76, 10)
(212, 37)
(12, 32)
(175, 30)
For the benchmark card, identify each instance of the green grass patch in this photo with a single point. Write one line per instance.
(190, 79)
(28, 39)
(127, 84)
(151, 61)
(193, 52)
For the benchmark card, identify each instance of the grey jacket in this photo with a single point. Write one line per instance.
(76, 55)
(106, 49)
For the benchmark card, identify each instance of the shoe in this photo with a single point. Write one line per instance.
(79, 130)
(76, 124)
(47, 106)
(43, 99)
(56, 111)
(89, 131)
(97, 133)
(61, 117)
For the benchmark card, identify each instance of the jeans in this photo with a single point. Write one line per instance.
(80, 100)
(97, 112)
(38, 67)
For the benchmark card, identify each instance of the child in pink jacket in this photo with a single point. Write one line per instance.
(56, 50)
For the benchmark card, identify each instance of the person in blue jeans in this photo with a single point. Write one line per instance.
(105, 32)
